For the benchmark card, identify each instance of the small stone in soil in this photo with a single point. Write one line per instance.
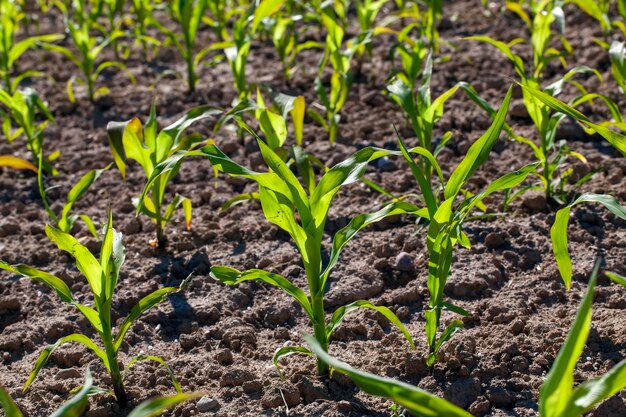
(494, 240)
(404, 262)
(535, 200)
(68, 373)
(207, 404)
(224, 356)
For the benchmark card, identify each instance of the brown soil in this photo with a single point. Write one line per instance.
(220, 340)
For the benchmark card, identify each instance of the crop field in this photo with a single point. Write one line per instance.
(312, 208)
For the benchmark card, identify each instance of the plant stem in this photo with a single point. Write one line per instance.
(319, 330)
(191, 76)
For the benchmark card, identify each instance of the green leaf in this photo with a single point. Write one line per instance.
(555, 395)
(91, 315)
(412, 398)
(617, 140)
(619, 279)
(8, 405)
(156, 406)
(79, 403)
(343, 236)
(274, 127)
(518, 63)
(231, 276)
(45, 354)
(558, 232)
(297, 115)
(478, 152)
(264, 9)
(85, 261)
(286, 351)
(50, 280)
(145, 304)
(341, 312)
(344, 173)
(161, 362)
(240, 198)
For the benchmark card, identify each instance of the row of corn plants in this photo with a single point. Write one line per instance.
(290, 194)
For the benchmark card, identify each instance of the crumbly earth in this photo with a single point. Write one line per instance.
(220, 340)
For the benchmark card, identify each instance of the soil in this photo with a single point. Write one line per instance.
(220, 340)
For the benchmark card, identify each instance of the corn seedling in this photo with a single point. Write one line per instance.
(188, 15)
(65, 221)
(237, 47)
(285, 39)
(410, 88)
(367, 11)
(102, 276)
(23, 107)
(551, 153)
(142, 11)
(11, 51)
(302, 215)
(413, 399)
(219, 13)
(113, 10)
(88, 49)
(149, 147)
(78, 404)
(341, 78)
(446, 220)
(425, 21)
(558, 397)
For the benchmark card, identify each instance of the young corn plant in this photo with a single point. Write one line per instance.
(425, 21)
(551, 153)
(285, 38)
(188, 15)
(410, 88)
(558, 397)
(78, 404)
(23, 107)
(367, 11)
(237, 46)
(219, 14)
(340, 80)
(413, 399)
(142, 18)
(417, 105)
(558, 231)
(102, 276)
(446, 218)
(302, 215)
(113, 11)
(149, 147)
(88, 49)
(11, 51)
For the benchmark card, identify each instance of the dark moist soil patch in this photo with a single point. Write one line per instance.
(220, 340)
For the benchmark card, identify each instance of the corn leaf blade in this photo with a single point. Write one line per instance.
(412, 398)
(556, 391)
